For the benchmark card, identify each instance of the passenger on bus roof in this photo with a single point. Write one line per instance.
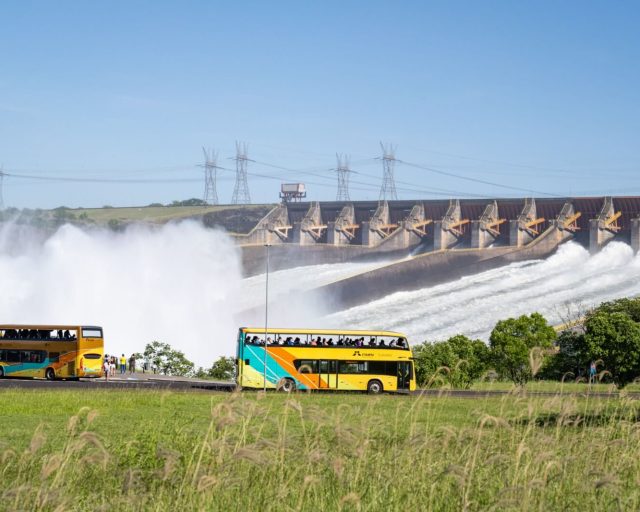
(382, 344)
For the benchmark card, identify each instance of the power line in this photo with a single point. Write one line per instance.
(388, 189)
(210, 176)
(241, 188)
(475, 180)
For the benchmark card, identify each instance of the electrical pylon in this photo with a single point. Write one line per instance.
(388, 189)
(210, 176)
(343, 172)
(241, 188)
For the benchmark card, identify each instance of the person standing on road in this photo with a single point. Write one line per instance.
(132, 364)
(106, 368)
(123, 364)
(145, 364)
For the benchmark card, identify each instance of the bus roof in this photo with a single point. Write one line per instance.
(46, 327)
(278, 330)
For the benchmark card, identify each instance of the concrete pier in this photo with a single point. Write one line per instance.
(402, 227)
(604, 227)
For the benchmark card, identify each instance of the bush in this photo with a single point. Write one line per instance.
(167, 360)
(570, 361)
(614, 337)
(513, 343)
(459, 361)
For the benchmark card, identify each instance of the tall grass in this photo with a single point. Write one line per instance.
(120, 450)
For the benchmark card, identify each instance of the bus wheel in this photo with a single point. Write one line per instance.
(286, 385)
(50, 374)
(1, 372)
(374, 387)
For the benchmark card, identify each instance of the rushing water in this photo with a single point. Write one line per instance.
(182, 284)
(567, 282)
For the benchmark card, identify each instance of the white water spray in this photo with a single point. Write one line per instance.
(177, 284)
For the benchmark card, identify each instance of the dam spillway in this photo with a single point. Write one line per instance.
(309, 233)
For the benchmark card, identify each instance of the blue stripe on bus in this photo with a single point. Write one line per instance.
(275, 372)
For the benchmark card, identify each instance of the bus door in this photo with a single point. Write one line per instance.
(404, 375)
(327, 374)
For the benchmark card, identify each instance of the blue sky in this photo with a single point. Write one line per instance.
(543, 96)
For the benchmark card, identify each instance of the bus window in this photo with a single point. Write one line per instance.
(306, 366)
(2, 355)
(92, 356)
(53, 356)
(32, 356)
(13, 356)
(352, 367)
(91, 332)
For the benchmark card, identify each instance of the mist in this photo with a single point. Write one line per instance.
(176, 283)
(182, 284)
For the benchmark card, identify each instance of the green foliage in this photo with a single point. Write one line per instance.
(115, 225)
(513, 341)
(615, 339)
(630, 307)
(189, 202)
(571, 360)
(167, 360)
(458, 361)
(222, 369)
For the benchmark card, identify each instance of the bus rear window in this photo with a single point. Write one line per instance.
(92, 356)
(91, 333)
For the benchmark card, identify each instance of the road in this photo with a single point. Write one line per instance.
(158, 382)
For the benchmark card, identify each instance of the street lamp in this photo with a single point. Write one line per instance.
(266, 317)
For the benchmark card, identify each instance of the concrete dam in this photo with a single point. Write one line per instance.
(429, 242)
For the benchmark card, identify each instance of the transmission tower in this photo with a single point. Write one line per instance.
(241, 188)
(1, 185)
(210, 176)
(343, 171)
(388, 190)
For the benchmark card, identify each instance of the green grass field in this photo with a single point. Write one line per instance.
(125, 450)
(154, 214)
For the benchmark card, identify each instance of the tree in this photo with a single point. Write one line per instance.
(630, 307)
(571, 360)
(189, 202)
(167, 360)
(512, 341)
(459, 360)
(614, 338)
(222, 369)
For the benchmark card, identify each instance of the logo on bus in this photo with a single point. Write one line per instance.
(358, 353)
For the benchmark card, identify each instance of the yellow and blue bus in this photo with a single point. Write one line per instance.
(51, 351)
(310, 359)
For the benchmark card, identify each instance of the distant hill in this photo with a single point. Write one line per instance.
(238, 219)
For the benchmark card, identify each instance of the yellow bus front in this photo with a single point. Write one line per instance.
(90, 352)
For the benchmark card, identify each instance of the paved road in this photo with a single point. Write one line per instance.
(133, 382)
(147, 381)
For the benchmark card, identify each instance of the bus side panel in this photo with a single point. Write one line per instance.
(279, 366)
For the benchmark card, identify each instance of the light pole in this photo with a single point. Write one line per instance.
(266, 317)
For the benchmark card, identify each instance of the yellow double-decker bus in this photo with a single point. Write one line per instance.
(51, 351)
(373, 361)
